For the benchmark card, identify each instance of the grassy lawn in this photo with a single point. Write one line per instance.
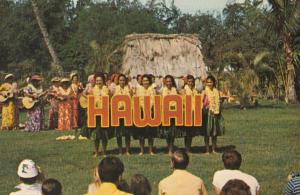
(267, 137)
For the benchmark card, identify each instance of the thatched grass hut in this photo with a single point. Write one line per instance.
(159, 54)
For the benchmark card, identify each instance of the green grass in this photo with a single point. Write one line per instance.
(267, 137)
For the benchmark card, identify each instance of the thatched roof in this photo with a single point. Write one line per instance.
(158, 54)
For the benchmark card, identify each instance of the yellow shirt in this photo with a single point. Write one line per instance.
(171, 91)
(108, 189)
(97, 92)
(121, 91)
(141, 92)
(6, 87)
(167, 91)
(213, 99)
(8, 110)
(181, 182)
(9, 87)
(191, 92)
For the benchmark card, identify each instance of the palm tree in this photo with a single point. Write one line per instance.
(285, 21)
(245, 73)
(55, 60)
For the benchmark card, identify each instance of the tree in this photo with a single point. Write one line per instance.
(100, 30)
(284, 20)
(56, 62)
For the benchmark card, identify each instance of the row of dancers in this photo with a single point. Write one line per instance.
(65, 112)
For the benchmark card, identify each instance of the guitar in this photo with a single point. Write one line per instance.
(29, 102)
(5, 96)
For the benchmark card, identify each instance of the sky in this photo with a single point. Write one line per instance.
(192, 6)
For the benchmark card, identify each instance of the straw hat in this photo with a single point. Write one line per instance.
(55, 79)
(8, 76)
(65, 80)
(73, 74)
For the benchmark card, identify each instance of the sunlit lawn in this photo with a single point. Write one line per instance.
(268, 138)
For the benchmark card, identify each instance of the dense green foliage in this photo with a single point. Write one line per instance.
(267, 137)
(245, 38)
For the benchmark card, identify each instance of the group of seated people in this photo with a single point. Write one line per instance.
(108, 181)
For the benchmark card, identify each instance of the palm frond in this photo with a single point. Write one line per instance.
(259, 57)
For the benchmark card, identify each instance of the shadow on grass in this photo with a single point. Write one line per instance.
(164, 150)
(271, 106)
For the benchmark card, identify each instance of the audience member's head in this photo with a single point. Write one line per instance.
(110, 169)
(123, 186)
(28, 172)
(51, 187)
(140, 185)
(235, 187)
(232, 159)
(180, 159)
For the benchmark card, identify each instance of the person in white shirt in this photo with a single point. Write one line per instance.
(28, 173)
(181, 182)
(232, 160)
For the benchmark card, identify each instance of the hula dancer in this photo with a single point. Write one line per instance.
(190, 132)
(82, 120)
(65, 106)
(214, 123)
(35, 115)
(169, 133)
(9, 106)
(88, 90)
(114, 83)
(122, 89)
(52, 99)
(147, 132)
(77, 88)
(100, 133)
(90, 85)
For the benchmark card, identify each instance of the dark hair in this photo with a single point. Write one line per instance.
(28, 181)
(74, 75)
(213, 79)
(123, 75)
(123, 186)
(148, 77)
(100, 74)
(152, 76)
(140, 185)
(110, 169)
(188, 77)
(232, 159)
(180, 159)
(172, 79)
(51, 187)
(235, 187)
